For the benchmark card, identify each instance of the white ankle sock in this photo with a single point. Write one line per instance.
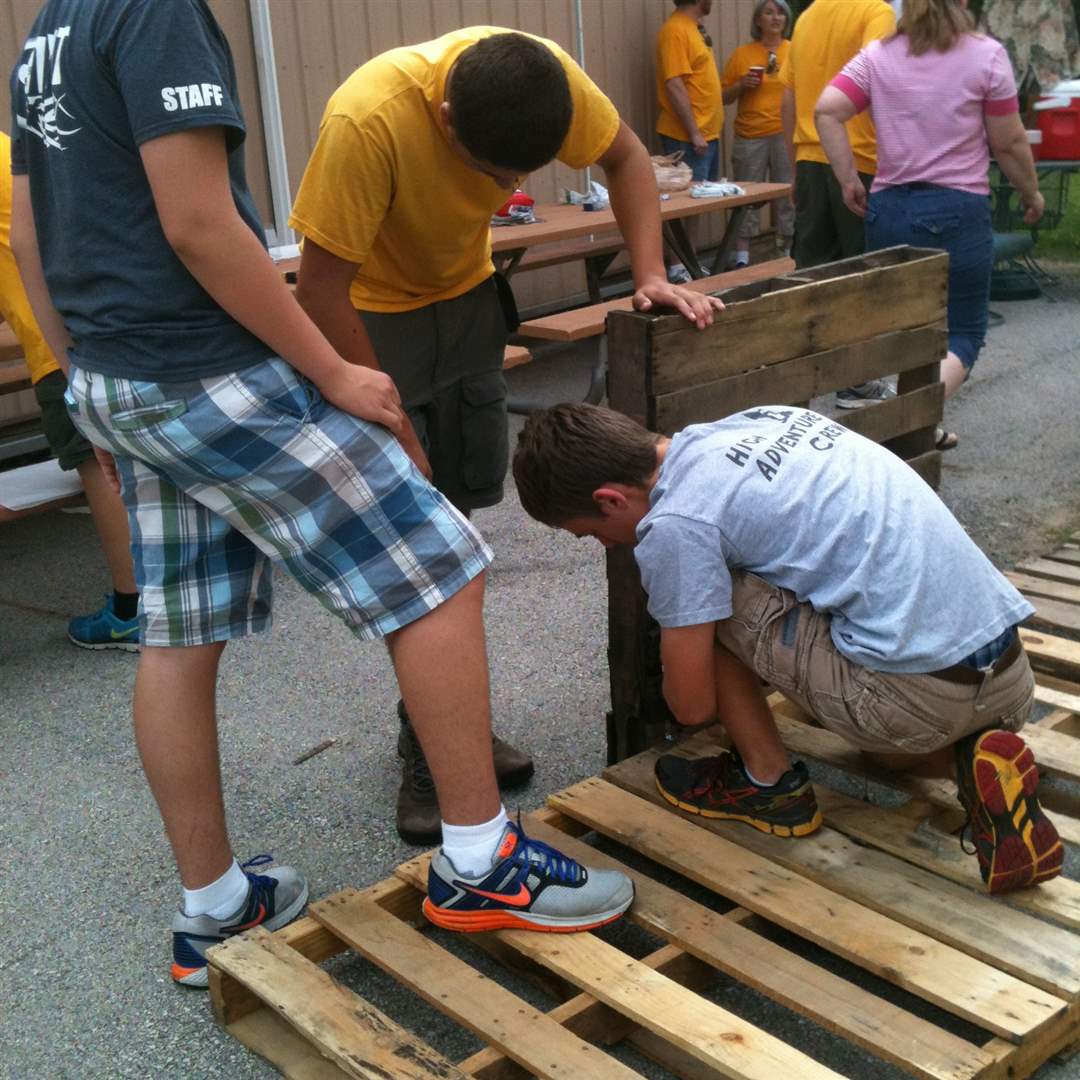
(219, 898)
(471, 848)
(742, 258)
(756, 782)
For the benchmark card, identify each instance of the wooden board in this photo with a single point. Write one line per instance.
(795, 319)
(587, 322)
(811, 376)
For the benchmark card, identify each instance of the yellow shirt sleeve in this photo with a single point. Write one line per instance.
(673, 56)
(347, 187)
(735, 69)
(595, 120)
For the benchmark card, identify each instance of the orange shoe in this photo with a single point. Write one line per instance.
(1015, 842)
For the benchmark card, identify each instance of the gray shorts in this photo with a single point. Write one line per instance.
(789, 645)
(446, 360)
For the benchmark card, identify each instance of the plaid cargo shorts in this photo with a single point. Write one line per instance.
(223, 475)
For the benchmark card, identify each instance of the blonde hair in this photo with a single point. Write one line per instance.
(934, 24)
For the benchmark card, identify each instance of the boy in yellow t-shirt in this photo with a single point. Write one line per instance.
(758, 151)
(116, 625)
(416, 150)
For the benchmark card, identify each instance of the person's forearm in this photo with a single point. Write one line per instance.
(787, 120)
(731, 93)
(834, 141)
(228, 261)
(1018, 165)
(635, 203)
(24, 247)
(332, 312)
(680, 102)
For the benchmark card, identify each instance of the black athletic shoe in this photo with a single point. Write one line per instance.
(718, 787)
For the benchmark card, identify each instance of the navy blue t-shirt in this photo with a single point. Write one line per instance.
(96, 79)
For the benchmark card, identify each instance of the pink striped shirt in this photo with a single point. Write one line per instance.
(928, 110)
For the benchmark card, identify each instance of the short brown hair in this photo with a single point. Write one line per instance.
(934, 24)
(566, 452)
(510, 102)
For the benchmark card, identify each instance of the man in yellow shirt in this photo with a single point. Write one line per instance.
(116, 625)
(416, 150)
(688, 87)
(827, 35)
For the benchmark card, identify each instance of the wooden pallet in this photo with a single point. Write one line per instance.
(887, 891)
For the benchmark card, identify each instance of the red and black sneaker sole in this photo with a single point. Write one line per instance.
(1027, 848)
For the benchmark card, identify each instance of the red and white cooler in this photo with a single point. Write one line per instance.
(1059, 121)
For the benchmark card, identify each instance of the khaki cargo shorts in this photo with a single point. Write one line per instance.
(789, 645)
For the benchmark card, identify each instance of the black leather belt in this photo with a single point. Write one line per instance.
(969, 676)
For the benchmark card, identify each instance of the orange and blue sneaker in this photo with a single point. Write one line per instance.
(530, 886)
(718, 787)
(1015, 843)
(103, 630)
(274, 899)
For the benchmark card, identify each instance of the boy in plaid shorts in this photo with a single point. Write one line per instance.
(239, 436)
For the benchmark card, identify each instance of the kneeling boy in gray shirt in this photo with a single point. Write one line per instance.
(778, 545)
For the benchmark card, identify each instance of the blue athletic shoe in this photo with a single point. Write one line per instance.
(103, 630)
(529, 886)
(274, 899)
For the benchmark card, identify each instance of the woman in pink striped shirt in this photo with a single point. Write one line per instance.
(942, 97)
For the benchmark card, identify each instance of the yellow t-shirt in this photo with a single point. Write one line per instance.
(385, 189)
(14, 303)
(681, 51)
(758, 115)
(828, 34)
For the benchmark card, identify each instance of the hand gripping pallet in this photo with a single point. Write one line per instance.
(886, 890)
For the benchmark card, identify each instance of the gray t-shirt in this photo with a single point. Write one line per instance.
(843, 523)
(94, 81)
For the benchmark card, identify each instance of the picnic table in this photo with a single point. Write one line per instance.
(558, 225)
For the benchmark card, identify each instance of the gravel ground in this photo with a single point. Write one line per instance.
(86, 882)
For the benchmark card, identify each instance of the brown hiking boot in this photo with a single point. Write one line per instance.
(418, 818)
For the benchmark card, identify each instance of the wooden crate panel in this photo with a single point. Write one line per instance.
(800, 320)
(811, 376)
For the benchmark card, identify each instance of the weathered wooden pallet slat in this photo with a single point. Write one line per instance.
(884, 1029)
(912, 894)
(481, 1005)
(912, 960)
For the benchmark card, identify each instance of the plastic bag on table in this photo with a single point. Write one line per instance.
(671, 172)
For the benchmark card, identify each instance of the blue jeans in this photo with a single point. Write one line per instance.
(953, 221)
(706, 167)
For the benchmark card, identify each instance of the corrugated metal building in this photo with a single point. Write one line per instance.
(317, 43)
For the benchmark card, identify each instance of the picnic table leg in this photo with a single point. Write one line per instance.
(595, 268)
(677, 239)
(736, 217)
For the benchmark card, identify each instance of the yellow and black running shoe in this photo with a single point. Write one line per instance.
(1015, 843)
(718, 787)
